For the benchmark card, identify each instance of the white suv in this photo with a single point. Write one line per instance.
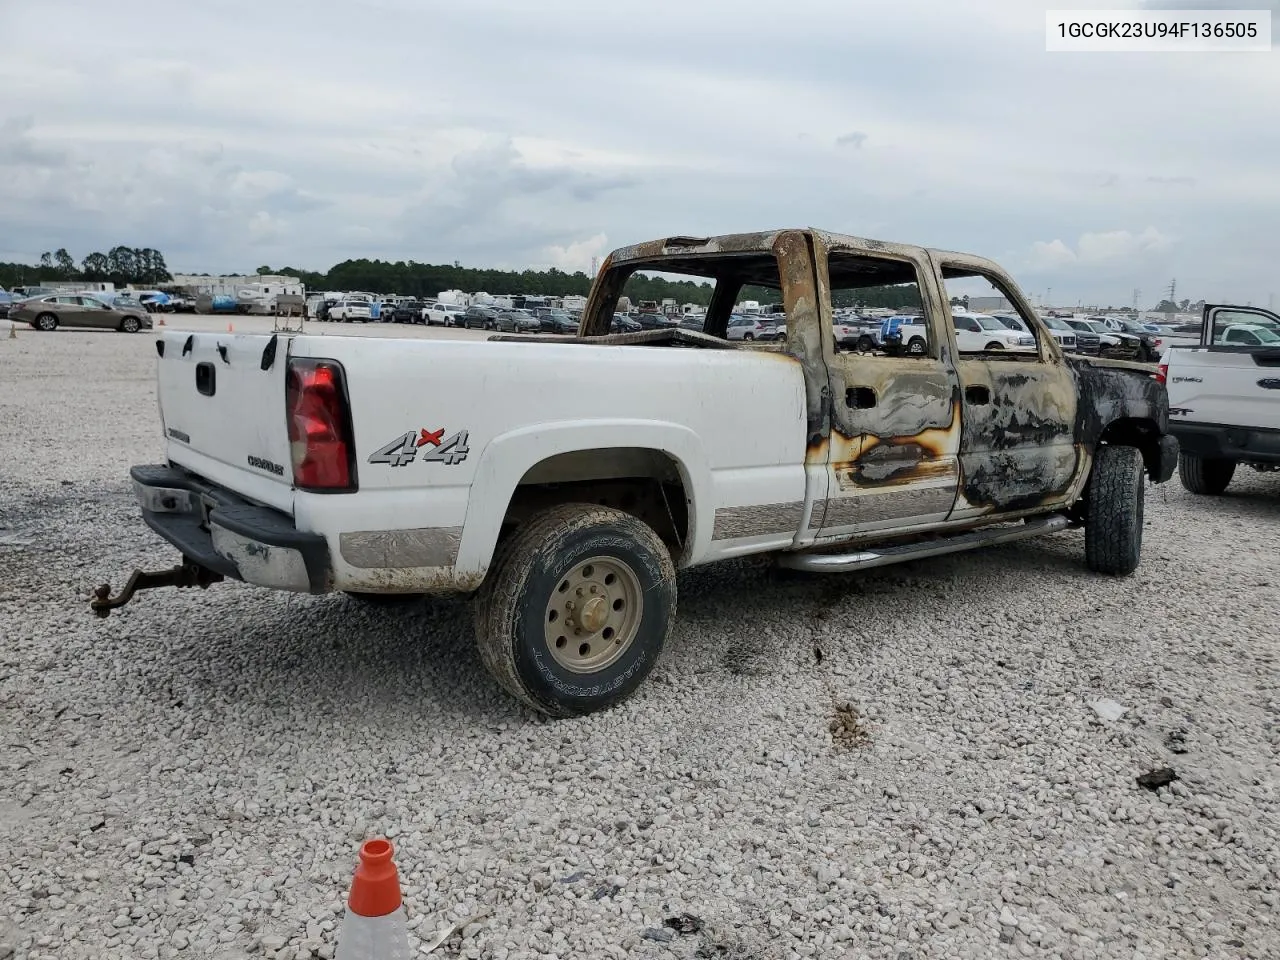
(976, 332)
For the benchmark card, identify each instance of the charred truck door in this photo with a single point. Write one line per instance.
(895, 419)
(1018, 448)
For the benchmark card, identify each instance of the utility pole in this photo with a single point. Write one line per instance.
(1136, 295)
(1173, 291)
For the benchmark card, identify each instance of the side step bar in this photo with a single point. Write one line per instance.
(863, 559)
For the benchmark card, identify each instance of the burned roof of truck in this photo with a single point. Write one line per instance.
(698, 255)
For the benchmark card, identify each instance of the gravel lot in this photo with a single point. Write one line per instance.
(191, 777)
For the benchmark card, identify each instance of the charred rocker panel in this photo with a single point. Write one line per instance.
(755, 521)
(879, 505)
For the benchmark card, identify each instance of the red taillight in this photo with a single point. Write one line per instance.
(320, 440)
(1162, 372)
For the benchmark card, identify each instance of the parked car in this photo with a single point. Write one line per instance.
(6, 301)
(347, 311)
(980, 333)
(517, 321)
(905, 332)
(408, 311)
(1063, 332)
(68, 310)
(692, 322)
(621, 323)
(483, 318)
(742, 327)
(443, 314)
(1093, 338)
(852, 335)
(374, 466)
(1148, 351)
(655, 321)
(556, 321)
(1224, 396)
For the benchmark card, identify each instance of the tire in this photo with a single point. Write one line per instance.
(385, 599)
(748, 337)
(915, 346)
(520, 600)
(1207, 476)
(1113, 523)
(994, 346)
(865, 344)
(46, 321)
(130, 325)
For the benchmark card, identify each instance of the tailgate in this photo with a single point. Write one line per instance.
(1235, 386)
(224, 414)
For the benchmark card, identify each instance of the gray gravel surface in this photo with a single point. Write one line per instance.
(903, 765)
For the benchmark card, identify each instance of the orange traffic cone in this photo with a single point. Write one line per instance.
(374, 927)
(230, 328)
(162, 320)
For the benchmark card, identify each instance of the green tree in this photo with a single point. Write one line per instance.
(65, 265)
(95, 266)
(46, 261)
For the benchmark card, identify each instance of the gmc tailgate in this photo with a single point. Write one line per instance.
(222, 406)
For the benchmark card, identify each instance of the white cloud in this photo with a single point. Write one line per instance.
(577, 255)
(1110, 248)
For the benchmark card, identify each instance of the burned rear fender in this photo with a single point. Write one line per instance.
(1123, 403)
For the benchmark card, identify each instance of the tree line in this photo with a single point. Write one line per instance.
(119, 265)
(144, 265)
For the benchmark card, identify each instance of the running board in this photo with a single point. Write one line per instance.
(863, 559)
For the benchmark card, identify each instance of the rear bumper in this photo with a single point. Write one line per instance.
(217, 529)
(1221, 441)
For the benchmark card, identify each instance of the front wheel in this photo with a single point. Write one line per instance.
(994, 346)
(1207, 476)
(1113, 522)
(575, 609)
(130, 325)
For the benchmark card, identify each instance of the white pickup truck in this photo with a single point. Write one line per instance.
(443, 314)
(564, 481)
(1224, 396)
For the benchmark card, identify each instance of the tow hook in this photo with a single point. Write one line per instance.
(185, 574)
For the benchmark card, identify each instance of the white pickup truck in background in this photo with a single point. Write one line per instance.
(564, 480)
(1224, 396)
(443, 314)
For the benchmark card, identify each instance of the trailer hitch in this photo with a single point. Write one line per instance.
(185, 574)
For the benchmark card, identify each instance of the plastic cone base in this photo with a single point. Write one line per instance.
(374, 938)
(374, 927)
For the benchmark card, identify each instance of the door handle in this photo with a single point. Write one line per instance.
(860, 398)
(977, 395)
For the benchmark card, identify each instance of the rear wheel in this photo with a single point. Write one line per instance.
(1113, 523)
(575, 609)
(1208, 476)
(46, 322)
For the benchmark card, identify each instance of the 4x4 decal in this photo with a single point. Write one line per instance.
(433, 444)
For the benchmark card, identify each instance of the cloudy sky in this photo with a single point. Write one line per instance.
(511, 133)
